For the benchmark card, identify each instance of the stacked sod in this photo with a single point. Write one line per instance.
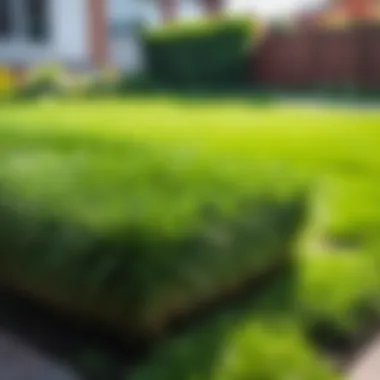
(131, 232)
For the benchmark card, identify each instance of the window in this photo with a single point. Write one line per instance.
(24, 19)
(37, 19)
(5, 18)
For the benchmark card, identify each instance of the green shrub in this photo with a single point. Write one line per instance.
(57, 82)
(132, 231)
(42, 81)
(207, 54)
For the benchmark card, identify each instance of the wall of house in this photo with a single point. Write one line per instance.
(17, 50)
(71, 29)
(123, 19)
(68, 40)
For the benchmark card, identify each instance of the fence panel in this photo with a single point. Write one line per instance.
(335, 58)
(368, 42)
(327, 58)
(283, 60)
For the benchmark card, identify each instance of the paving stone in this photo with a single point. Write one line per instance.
(19, 361)
(367, 364)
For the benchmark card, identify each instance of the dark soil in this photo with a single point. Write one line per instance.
(59, 348)
(36, 343)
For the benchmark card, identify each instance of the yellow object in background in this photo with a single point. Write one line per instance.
(6, 80)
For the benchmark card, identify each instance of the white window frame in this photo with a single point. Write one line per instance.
(20, 22)
(18, 48)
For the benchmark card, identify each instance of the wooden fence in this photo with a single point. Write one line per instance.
(305, 59)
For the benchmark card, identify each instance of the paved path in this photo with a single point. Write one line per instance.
(19, 361)
(325, 103)
(367, 365)
(37, 344)
(23, 330)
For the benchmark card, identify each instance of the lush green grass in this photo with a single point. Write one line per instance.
(335, 151)
(99, 214)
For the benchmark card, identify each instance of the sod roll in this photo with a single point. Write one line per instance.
(131, 231)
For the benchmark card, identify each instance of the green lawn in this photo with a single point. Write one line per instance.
(272, 149)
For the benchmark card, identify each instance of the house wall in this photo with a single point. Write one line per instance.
(68, 40)
(17, 50)
(124, 49)
(88, 32)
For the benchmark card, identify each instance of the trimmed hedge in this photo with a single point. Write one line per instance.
(131, 232)
(214, 53)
